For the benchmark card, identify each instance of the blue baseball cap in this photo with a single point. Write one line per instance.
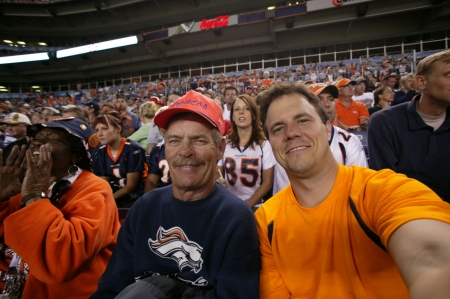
(73, 126)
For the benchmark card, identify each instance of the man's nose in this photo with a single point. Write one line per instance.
(186, 148)
(292, 132)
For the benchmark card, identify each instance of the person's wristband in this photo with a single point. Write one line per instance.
(27, 197)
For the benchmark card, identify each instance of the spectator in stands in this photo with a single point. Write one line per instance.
(78, 94)
(266, 79)
(92, 109)
(76, 112)
(371, 83)
(352, 115)
(407, 91)
(130, 121)
(16, 127)
(158, 167)
(120, 161)
(146, 114)
(346, 147)
(329, 228)
(49, 111)
(413, 138)
(36, 117)
(383, 98)
(107, 107)
(403, 68)
(347, 72)
(208, 93)
(219, 265)
(220, 98)
(74, 217)
(247, 163)
(154, 136)
(330, 75)
(230, 95)
(390, 80)
(360, 92)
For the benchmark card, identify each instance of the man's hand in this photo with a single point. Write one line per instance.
(353, 128)
(363, 123)
(37, 177)
(12, 173)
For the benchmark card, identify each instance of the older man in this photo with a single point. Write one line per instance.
(194, 231)
(16, 127)
(344, 232)
(413, 138)
(352, 115)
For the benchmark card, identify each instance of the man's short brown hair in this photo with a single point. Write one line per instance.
(231, 88)
(425, 66)
(287, 88)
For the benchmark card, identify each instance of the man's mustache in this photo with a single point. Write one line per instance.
(188, 162)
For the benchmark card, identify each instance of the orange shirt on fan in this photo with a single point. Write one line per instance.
(266, 82)
(350, 116)
(323, 253)
(68, 247)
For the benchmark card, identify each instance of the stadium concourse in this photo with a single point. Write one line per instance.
(353, 94)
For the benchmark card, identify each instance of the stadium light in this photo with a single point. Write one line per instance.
(23, 58)
(7, 41)
(116, 43)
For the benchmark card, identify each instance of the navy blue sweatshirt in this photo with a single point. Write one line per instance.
(211, 242)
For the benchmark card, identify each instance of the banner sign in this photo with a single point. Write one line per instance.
(205, 24)
(324, 4)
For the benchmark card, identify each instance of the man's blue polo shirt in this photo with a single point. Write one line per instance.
(400, 140)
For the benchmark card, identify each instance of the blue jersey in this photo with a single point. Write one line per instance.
(130, 158)
(158, 165)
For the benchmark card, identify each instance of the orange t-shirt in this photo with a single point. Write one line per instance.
(266, 82)
(351, 116)
(323, 253)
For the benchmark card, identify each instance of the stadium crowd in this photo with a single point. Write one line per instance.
(191, 159)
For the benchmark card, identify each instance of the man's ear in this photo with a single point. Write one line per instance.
(421, 82)
(162, 131)
(222, 145)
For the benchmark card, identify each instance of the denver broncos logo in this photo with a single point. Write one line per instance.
(174, 244)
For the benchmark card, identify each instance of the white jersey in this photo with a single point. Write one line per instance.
(226, 112)
(243, 168)
(347, 149)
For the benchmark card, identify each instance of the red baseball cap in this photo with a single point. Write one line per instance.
(196, 103)
(345, 82)
(321, 87)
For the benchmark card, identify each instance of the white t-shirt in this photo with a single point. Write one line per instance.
(226, 112)
(243, 168)
(366, 98)
(350, 152)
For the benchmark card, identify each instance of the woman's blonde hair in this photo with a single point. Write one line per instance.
(148, 109)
